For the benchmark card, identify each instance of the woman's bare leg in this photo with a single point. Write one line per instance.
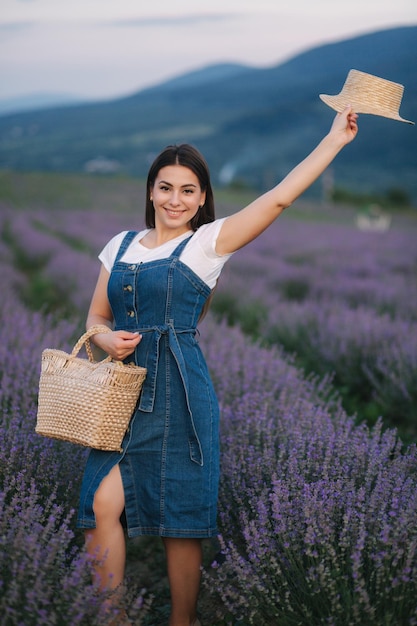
(106, 543)
(184, 558)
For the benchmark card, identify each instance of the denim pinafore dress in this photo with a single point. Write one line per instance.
(170, 458)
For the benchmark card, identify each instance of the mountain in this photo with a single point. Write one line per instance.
(34, 101)
(252, 124)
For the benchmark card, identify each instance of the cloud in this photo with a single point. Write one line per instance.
(170, 20)
(13, 27)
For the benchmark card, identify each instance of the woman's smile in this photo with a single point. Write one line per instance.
(174, 212)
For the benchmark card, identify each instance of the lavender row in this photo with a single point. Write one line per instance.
(317, 514)
(329, 261)
(343, 300)
(45, 576)
(43, 254)
(291, 261)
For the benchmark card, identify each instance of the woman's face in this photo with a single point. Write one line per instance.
(176, 196)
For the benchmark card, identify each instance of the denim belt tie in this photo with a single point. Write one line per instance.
(147, 397)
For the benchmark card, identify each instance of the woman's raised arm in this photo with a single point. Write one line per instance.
(245, 225)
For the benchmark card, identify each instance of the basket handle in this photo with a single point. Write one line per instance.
(85, 339)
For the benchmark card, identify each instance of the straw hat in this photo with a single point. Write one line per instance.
(368, 94)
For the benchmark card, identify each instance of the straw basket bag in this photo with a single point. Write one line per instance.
(84, 401)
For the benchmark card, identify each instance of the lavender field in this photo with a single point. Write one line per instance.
(312, 345)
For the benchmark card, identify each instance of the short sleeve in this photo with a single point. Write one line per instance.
(201, 255)
(108, 255)
(207, 239)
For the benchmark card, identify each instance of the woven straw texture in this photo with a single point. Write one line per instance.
(368, 94)
(86, 402)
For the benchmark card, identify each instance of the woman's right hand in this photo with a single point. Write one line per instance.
(119, 344)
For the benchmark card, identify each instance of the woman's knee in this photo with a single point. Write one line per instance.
(109, 498)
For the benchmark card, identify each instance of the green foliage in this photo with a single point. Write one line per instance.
(73, 242)
(38, 292)
(397, 197)
(57, 191)
(42, 294)
(250, 316)
(48, 189)
(394, 198)
(295, 289)
(226, 306)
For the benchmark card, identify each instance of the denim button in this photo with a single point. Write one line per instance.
(132, 267)
(128, 288)
(131, 313)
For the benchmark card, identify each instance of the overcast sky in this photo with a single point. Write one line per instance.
(107, 48)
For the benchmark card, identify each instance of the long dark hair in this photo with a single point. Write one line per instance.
(190, 157)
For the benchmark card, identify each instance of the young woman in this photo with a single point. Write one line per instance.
(152, 289)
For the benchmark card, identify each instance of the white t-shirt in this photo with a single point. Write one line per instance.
(199, 254)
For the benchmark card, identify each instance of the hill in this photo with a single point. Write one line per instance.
(35, 101)
(252, 124)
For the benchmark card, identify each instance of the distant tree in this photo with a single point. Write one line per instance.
(398, 197)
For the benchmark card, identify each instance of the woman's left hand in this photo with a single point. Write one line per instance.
(345, 125)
